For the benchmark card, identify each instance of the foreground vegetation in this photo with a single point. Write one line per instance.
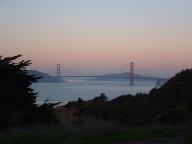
(95, 132)
(18, 100)
(171, 103)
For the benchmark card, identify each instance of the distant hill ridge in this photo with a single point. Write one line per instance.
(45, 77)
(124, 76)
(110, 77)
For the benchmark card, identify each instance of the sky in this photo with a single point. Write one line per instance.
(98, 36)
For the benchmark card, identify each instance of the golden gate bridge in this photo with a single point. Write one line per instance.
(130, 68)
(130, 75)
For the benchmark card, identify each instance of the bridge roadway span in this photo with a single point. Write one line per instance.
(89, 76)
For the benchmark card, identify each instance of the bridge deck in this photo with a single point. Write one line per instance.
(94, 76)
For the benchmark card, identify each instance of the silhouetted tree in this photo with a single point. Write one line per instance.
(17, 98)
(101, 98)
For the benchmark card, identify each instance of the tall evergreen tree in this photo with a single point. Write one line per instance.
(17, 98)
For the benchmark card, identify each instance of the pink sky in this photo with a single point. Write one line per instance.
(94, 40)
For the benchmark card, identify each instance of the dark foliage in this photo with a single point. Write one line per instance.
(45, 113)
(101, 98)
(170, 103)
(17, 98)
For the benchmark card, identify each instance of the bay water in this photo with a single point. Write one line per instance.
(73, 88)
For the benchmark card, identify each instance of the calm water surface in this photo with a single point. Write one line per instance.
(73, 88)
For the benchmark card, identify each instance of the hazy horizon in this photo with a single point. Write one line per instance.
(96, 37)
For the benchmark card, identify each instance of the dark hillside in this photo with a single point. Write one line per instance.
(170, 103)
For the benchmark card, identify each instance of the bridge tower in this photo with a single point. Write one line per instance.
(131, 74)
(58, 70)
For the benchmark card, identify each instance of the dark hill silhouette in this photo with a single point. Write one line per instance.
(170, 103)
